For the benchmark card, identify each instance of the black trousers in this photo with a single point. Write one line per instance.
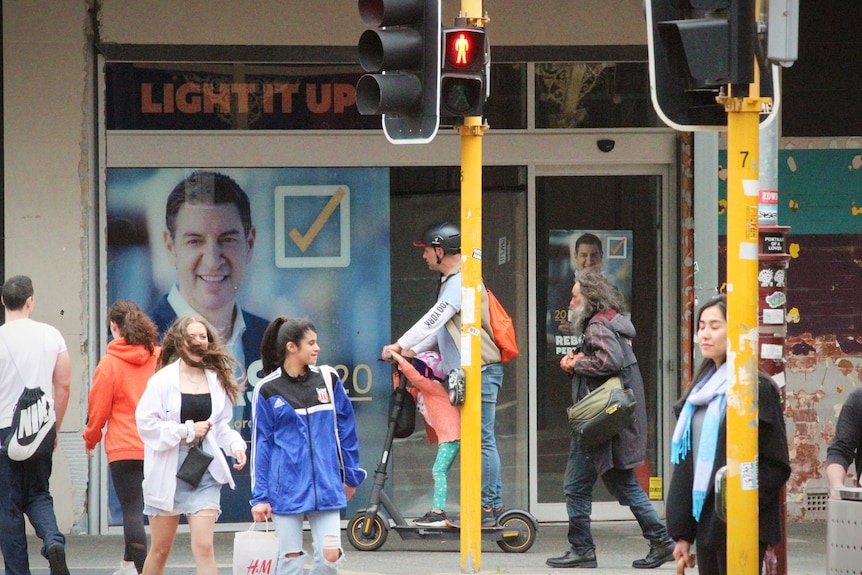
(128, 476)
(713, 560)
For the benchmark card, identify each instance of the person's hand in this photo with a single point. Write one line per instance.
(395, 357)
(567, 363)
(91, 453)
(201, 429)
(565, 327)
(385, 354)
(349, 491)
(239, 455)
(261, 512)
(682, 550)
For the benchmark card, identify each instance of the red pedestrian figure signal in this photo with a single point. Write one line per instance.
(463, 82)
(465, 48)
(462, 46)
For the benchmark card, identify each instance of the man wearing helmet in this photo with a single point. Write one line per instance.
(440, 327)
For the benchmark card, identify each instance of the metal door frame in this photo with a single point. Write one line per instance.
(668, 330)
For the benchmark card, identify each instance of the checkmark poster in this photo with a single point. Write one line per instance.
(616, 264)
(321, 252)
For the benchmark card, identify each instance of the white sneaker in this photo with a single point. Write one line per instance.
(124, 569)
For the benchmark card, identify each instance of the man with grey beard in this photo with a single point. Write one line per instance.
(605, 352)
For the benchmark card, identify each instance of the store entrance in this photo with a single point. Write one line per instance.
(617, 218)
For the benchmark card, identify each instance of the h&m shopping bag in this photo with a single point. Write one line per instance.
(255, 552)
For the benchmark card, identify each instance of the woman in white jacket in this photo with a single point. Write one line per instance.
(189, 399)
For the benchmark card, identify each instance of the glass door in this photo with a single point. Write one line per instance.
(613, 221)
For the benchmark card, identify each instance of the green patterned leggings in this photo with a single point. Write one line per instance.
(446, 453)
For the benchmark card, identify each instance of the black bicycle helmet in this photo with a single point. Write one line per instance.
(443, 235)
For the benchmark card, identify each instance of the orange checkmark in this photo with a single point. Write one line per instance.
(617, 247)
(304, 240)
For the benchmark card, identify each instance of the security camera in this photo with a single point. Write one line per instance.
(606, 145)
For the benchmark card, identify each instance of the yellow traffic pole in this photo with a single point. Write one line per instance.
(743, 133)
(471, 325)
(471, 344)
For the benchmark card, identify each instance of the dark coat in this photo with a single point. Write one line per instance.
(608, 352)
(846, 446)
(773, 471)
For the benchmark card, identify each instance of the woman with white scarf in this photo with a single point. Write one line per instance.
(698, 450)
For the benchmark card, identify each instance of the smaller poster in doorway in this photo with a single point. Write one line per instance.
(569, 252)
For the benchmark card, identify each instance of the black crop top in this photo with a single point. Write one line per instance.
(196, 406)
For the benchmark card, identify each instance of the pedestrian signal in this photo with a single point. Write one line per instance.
(463, 78)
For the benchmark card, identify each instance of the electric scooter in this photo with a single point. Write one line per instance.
(515, 532)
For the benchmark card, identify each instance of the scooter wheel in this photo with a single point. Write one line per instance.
(526, 528)
(367, 534)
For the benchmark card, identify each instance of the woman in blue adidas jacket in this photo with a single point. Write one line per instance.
(304, 449)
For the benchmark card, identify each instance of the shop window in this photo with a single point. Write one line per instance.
(593, 95)
(420, 196)
(507, 107)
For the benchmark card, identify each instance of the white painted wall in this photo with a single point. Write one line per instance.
(47, 145)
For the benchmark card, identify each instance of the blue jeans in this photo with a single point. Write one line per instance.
(325, 533)
(622, 483)
(24, 489)
(492, 478)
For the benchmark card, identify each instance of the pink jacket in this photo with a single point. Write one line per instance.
(445, 419)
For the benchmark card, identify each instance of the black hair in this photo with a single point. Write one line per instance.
(591, 240)
(280, 331)
(16, 290)
(209, 189)
(719, 301)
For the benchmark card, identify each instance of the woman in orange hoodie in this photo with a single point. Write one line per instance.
(118, 383)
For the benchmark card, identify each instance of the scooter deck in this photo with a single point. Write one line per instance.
(415, 532)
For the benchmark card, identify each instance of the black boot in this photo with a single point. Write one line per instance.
(573, 559)
(658, 555)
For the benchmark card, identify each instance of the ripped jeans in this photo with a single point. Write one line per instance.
(325, 534)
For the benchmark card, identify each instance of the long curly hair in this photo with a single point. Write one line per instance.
(177, 344)
(280, 331)
(599, 294)
(135, 326)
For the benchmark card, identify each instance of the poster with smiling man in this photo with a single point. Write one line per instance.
(243, 246)
(571, 251)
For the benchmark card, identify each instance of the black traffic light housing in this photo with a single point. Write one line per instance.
(463, 78)
(697, 47)
(401, 52)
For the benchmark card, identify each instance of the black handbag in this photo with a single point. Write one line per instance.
(405, 422)
(195, 464)
(602, 413)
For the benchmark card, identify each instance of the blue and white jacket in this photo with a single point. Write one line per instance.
(296, 466)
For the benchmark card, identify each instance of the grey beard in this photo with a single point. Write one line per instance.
(578, 317)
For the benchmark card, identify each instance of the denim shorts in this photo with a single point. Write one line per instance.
(189, 500)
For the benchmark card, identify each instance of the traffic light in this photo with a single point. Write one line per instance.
(695, 48)
(463, 79)
(402, 53)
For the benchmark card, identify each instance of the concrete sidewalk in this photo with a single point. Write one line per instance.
(618, 544)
